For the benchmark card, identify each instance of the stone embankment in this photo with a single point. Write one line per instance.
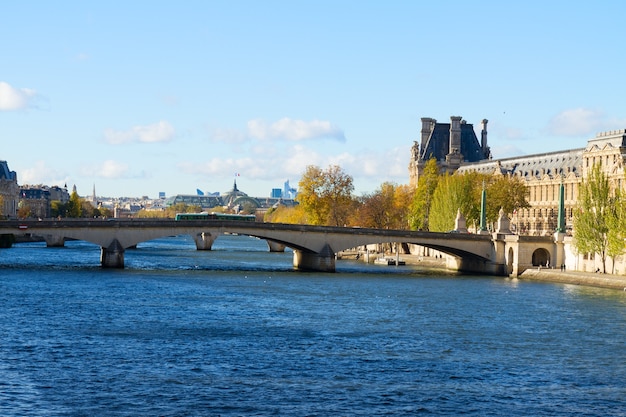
(590, 279)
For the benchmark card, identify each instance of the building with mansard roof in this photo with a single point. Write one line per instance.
(9, 191)
(542, 173)
(456, 148)
(39, 198)
(451, 144)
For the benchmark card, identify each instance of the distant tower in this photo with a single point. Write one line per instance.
(94, 200)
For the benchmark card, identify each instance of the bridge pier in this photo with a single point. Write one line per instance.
(324, 261)
(112, 256)
(54, 241)
(275, 246)
(7, 240)
(476, 266)
(204, 240)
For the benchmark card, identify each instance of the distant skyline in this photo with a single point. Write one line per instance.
(142, 97)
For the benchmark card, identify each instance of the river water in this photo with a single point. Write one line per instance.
(235, 331)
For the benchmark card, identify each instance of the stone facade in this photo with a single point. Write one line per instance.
(543, 175)
(9, 191)
(39, 198)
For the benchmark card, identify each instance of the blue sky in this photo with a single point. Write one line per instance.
(147, 96)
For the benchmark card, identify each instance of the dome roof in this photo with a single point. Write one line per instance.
(230, 196)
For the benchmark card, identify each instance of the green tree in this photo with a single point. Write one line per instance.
(595, 215)
(57, 209)
(616, 223)
(453, 193)
(105, 212)
(426, 185)
(168, 213)
(463, 192)
(74, 206)
(475, 187)
(326, 195)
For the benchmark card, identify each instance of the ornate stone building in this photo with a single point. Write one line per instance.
(39, 198)
(452, 144)
(9, 191)
(542, 173)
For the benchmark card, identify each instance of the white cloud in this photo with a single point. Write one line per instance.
(577, 122)
(389, 164)
(16, 98)
(221, 167)
(158, 132)
(40, 173)
(294, 130)
(297, 158)
(275, 164)
(108, 169)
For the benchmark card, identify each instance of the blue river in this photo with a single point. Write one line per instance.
(237, 332)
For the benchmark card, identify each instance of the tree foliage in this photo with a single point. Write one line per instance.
(616, 242)
(426, 185)
(463, 192)
(595, 216)
(284, 214)
(74, 208)
(24, 211)
(326, 195)
(507, 193)
(57, 208)
(169, 212)
(453, 193)
(386, 208)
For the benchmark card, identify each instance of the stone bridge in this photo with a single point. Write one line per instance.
(315, 247)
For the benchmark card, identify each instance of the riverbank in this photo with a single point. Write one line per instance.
(590, 279)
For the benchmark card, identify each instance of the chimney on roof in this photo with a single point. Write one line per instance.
(455, 135)
(427, 128)
(483, 136)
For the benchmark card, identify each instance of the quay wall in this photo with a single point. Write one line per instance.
(590, 279)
